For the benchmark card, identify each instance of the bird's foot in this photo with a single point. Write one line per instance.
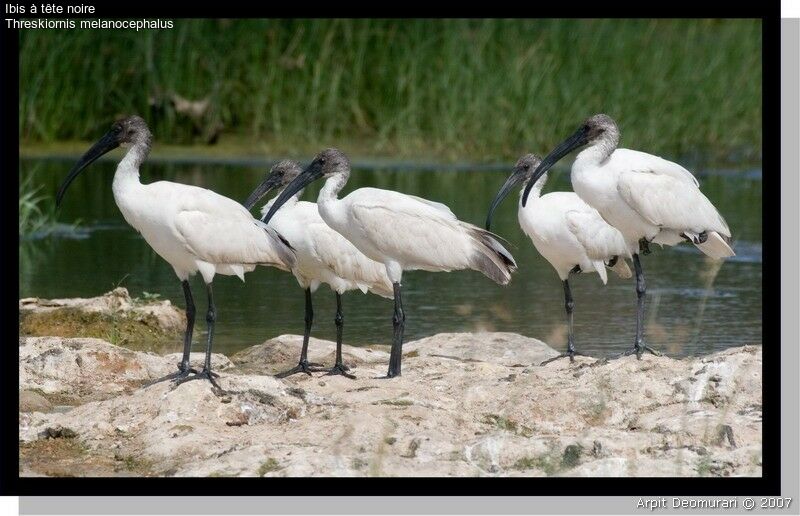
(340, 369)
(639, 350)
(205, 374)
(569, 354)
(392, 373)
(304, 366)
(177, 376)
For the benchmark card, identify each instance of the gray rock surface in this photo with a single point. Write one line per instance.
(467, 404)
(71, 371)
(32, 401)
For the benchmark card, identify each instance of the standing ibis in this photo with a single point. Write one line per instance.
(403, 232)
(647, 198)
(323, 256)
(567, 232)
(193, 229)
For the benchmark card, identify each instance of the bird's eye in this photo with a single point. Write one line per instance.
(322, 161)
(526, 166)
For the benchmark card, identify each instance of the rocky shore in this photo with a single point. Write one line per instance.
(467, 404)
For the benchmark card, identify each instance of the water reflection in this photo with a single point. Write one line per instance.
(694, 304)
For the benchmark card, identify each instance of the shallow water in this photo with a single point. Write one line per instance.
(694, 305)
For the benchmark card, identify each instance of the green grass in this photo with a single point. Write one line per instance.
(454, 89)
(36, 211)
(268, 466)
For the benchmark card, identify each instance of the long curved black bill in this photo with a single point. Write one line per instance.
(269, 183)
(105, 144)
(578, 139)
(516, 177)
(306, 177)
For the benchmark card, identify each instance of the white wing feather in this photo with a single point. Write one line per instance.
(204, 215)
(670, 203)
(413, 231)
(600, 240)
(347, 262)
(636, 161)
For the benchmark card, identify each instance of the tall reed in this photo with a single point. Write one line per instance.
(477, 89)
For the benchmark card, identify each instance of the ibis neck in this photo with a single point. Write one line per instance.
(330, 190)
(536, 189)
(136, 155)
(600, 150)
(127, 175)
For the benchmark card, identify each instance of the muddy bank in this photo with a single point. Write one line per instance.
(143, 324)
(467, 404)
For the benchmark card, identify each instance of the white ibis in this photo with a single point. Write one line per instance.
(323, 256)
(567, 232)
(647, 198)
(192, 228)
(401, 231)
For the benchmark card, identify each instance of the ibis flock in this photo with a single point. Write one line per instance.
(623, 201)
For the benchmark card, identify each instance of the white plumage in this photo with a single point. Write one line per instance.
(197, 230)
(645, 197)
(566, 231)
(323, 256)
(192, 228)
(403, 232)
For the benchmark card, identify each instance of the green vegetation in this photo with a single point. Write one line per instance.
(454, 89)
(133, 330)
(268, 466)
(547, 463)
(396, 403)
(36, 211)
(509, 425)
(550, 463)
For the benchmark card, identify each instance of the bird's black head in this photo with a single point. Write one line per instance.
(598, 129)
(281, 174)
(330, 162)
(598, 126)
(525, 167)
(522, 174)
(285, 171)
(127, 132)
(131, 131)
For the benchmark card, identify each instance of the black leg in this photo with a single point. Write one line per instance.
(211, 318)
(398, 321)
(641, 291)
(339, 368)
(187, 336)
(639, 347)
(644, 246)
(339, 321)
(569, 306)
(183, 367)
(303, 366)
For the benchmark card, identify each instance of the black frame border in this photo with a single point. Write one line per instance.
(768, 484)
